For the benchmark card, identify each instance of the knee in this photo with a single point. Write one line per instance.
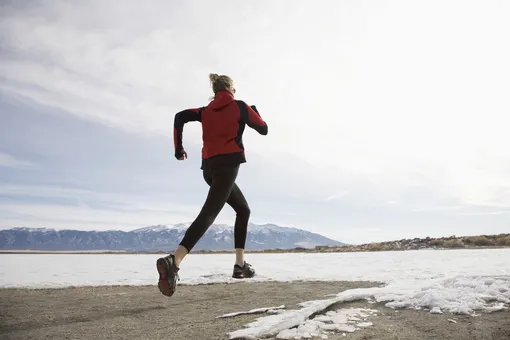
(244, 211)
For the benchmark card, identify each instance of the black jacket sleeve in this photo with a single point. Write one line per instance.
(181, 118)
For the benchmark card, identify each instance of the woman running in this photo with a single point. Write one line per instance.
(223, 122)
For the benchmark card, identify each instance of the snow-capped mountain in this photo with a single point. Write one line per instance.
(159, 237)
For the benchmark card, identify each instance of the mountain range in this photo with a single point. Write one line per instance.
(159, 238)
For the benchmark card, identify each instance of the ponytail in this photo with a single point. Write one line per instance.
(220, 83)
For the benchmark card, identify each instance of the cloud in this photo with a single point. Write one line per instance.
(337, 196)
(438, 208)
(9, 161)
(80, 217)
(368, 104)
(119, 73)
(61, 207)
(498, 212)
(113, 201)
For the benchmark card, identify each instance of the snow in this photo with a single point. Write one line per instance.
(269, 228)
(450, 281)
(162, 227)
(436, 310)
(220, 228)
(297, 324)
(215, 228)
(156, 228)
(43, 229)
(459, 295)
(62, 270)
(273, 310)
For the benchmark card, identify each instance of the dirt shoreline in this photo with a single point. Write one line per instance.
(141, 312)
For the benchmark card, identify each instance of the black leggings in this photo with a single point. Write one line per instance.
(223, 189)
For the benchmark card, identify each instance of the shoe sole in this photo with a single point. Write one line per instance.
(163, 284)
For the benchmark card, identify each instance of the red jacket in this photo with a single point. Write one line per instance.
(223, 122)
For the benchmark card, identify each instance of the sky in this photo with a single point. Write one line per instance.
(387, 119)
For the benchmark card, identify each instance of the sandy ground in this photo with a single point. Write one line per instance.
(124, 312)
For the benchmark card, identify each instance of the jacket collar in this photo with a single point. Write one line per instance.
(221, 99)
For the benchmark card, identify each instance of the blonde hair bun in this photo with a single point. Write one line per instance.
(213, 77)
(222, 82)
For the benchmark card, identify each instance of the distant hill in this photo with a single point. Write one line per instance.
(450, 242)
(159, 238)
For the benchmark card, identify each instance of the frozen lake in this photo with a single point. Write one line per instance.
(456, 281)
(60, 270)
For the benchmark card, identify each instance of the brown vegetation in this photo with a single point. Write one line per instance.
(455, 243)
(503, 241)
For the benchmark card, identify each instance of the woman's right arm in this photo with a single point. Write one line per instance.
(181, 118)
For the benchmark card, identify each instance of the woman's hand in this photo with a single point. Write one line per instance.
(181, 154)
(184, 155)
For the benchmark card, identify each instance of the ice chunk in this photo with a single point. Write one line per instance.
(300, 326)
(436, 310)
(254, 311)
(458, 295)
